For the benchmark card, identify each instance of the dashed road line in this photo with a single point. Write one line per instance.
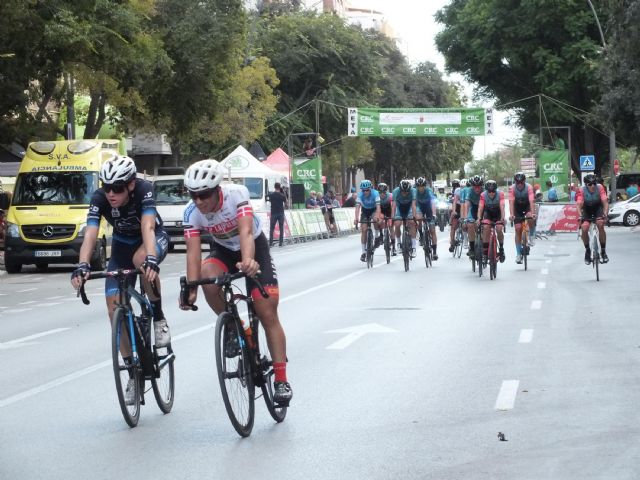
(536, 304)
(542, 285)
(17, 310)
(28, 303)
(506, 397)
(526, 335)
(544, 271)
(26, 290)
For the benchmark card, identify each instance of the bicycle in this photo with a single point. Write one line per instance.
(405, 245)
(240, 362)
(426, 243)
(492, 252)
(369, 245)
(147, 362)
(458, 241)
(386, 240)
(594, 244)
(479, 259)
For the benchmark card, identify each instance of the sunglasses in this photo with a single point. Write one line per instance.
(591, 184)
(114, 188)
(366, 189)
(201, 195)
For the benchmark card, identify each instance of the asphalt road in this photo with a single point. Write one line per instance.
(395, 375)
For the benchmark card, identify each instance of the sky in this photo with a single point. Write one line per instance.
(413, 22)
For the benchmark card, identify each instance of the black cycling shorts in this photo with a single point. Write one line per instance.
(268, 276)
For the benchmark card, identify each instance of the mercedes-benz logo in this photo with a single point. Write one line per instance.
(178, 223)
(47, 231)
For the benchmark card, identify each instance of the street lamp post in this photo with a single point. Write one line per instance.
(612, 132)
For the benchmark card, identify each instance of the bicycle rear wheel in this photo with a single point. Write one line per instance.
(234, 373)
(163, 382)
(277, 412)
(122, 371)
(458, 239)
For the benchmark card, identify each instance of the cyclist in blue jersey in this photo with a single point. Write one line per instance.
(367, 208)
(404, 208)
(386, 199)
(472, 202)
(426, 208)
(456, 210)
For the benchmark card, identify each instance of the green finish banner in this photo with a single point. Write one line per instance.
(308, 171)
(554, 166)
(419, 122)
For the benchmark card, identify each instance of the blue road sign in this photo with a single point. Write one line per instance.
(587, 163)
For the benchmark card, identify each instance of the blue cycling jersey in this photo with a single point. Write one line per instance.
(385, 199)
(426, 196)
(401, 199)
(368, 201)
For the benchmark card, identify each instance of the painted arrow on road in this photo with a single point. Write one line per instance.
(355, 333)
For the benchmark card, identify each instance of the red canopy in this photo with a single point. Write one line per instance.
(278, 161)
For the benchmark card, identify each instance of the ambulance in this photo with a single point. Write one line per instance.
(47, 217)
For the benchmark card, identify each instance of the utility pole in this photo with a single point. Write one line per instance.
(70, 131)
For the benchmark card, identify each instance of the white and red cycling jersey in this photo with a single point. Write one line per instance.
(222, 223)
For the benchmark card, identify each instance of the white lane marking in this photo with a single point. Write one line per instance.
(28, 303)
(17, 310)
(54, 383)
(355, 333)
(542, 285)
(26, 290)
(548, 261)
(526, 335)
(34, 336)
(37, 279)
(536, 304)
(507, 395)
(544, 271)
(86, 371)
(2, 294)
(50, 304)
(55, 298)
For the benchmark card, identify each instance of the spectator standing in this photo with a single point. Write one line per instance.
(552, 193)
(311, 201)
(351, 201)
(277, 199)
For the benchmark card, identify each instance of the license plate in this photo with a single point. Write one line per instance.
(177, 239)
(48, 253)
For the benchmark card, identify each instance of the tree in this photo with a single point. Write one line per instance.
(514, 50)
(620, 73)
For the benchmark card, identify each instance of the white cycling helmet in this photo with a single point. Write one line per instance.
(203, 175)
(121, 169)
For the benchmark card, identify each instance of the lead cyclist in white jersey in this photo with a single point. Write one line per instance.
(239, 244)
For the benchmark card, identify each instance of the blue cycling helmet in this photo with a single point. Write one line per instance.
(364, 184)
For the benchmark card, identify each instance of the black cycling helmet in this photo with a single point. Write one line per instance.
(405, 185)
(476, 181)
(382, 187)
(421, 182)
(455, 183)
(519, 177)
(590, 179)
(491, 186)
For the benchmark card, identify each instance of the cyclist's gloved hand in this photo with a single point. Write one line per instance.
(80, 274)
(151, 262)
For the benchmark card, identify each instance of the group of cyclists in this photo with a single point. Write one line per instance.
(140, 242)
(474, 203)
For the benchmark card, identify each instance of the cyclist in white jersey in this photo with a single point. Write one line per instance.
(239, 244)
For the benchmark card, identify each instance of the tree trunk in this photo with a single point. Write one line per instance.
(96, 115)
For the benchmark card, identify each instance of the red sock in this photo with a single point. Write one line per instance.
(280, 371)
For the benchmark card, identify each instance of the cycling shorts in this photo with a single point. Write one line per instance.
(520, 212)
(473, 213)
(590, 215)
(122, 257)
(491, 216)
(226, 259)
(366, 214)
(403, 211)
(425, 210)
(386, 210)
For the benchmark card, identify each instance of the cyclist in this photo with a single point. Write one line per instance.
(386, 199)
(367, 203)
(238, 244)
(593, 206)
(472, 202)
(455, 215)
(139, 241)
(491, 210)
(522, 207)
(404, 208)
(426, 209)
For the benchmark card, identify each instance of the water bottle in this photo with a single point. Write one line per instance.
(248, 333)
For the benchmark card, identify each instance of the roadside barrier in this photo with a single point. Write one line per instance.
(305, 225)
(557, 217)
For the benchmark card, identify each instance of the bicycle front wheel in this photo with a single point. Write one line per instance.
(369, 248)
(493, 259)
(163, 382)
(387, 245)
(277, 412)
(406, 250)
(126, 374)
(479, 258)
(234, 374)
(427, 246)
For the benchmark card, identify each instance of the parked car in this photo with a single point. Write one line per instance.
(626, 212)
